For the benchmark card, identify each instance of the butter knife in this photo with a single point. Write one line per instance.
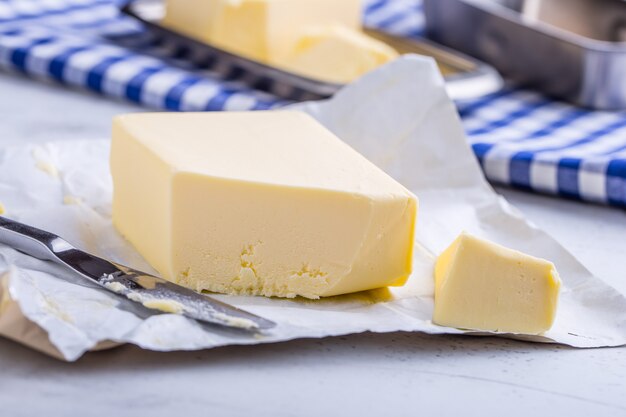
(152, 292)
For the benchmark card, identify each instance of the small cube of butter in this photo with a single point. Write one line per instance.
(484, 286)
(265, 30)
(337, 54)
(264, 203)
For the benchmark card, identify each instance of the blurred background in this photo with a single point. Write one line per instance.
(540, 85)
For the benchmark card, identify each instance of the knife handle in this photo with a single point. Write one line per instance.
(30, 240)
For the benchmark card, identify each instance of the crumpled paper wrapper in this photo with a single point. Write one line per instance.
(400, 118)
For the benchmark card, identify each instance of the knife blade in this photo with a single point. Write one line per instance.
(152, 292)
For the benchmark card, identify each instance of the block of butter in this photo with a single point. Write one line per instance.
(337, 54)
(483, 286)
(265, 30)
(262, 203)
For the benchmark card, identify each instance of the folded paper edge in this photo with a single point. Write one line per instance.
(15, 326)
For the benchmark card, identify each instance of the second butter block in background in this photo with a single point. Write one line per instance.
(319, 39)
(261, 203)
(337, 54)
(265, 30)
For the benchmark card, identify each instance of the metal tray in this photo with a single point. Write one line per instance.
(465, 77)
(583, 64)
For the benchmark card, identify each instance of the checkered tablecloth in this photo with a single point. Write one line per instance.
(521, 138)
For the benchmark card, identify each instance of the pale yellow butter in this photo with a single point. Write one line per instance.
(166, 306)
(115, 287)
(337, 54)
(71, 200)
(265, 30)
(483, 286)
(48, 168)
(267, 203)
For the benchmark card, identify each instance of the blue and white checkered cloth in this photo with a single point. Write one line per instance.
(521, 138)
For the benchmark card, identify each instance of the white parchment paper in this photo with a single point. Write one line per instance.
(400, 118)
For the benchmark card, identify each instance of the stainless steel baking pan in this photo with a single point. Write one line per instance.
(465, 77)
(571, 49)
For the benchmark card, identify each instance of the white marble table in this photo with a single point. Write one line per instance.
(360, 375)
